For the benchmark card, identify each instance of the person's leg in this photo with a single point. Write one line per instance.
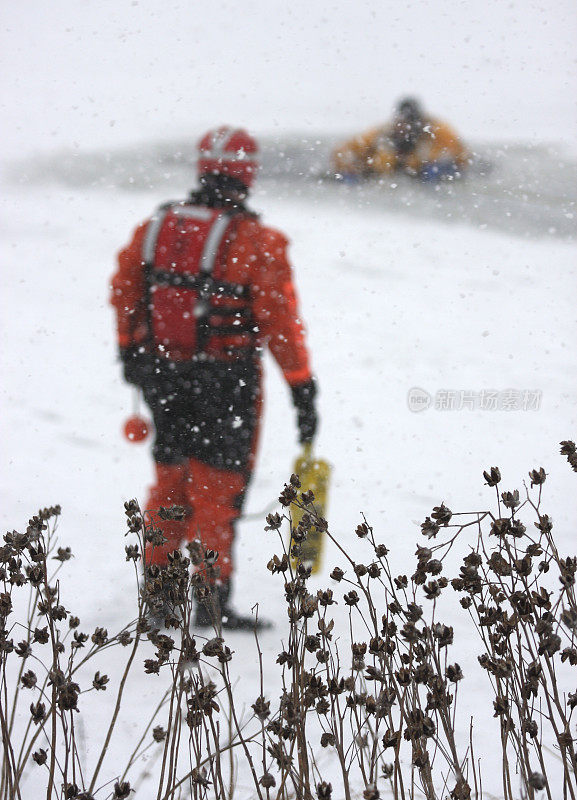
(221, 449)
(215, 497)
(220, 470)
(169, 488)
(435, 171)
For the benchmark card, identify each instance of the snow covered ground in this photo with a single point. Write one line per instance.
(467, 289)
(392, 301)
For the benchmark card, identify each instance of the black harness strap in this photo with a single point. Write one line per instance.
(204, 284)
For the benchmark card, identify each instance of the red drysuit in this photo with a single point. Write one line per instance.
(199, 293)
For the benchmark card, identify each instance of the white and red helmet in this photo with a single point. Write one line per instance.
(228, 151)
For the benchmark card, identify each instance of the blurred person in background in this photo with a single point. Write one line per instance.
(202, 288)
(413, 143)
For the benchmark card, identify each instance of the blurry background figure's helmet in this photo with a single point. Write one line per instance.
(407, 126)
(230, 152)
(409, 109)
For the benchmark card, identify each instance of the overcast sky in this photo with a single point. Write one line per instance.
(109, 72)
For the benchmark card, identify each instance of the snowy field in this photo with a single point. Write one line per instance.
(392, 301)
(461, 291)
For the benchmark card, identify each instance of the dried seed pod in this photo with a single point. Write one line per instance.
(510, 499)
(537, 476)
(324, 790)
(441, 514)
(492, 477)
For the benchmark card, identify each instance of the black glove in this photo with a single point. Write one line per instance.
(304, 402)
(138, 366)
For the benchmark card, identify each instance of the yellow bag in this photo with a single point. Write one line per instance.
(314, 474)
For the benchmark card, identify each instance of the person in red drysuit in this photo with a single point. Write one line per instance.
(200, 291)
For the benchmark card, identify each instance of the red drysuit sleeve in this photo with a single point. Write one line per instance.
(276, 308)
(128, 292)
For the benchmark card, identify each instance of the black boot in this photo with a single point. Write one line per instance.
(216, 610)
